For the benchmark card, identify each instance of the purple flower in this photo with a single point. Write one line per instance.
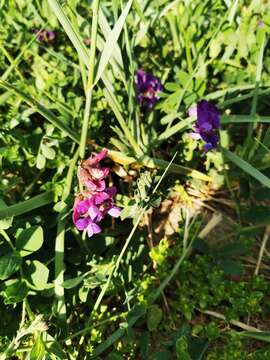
(260, 24)
(44, 35)
(88, 225)
(89, 211)
(147, 88)
(207, 124)
(95, 200)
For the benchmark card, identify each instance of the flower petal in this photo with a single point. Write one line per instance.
(82, 224)
(93, 229)
(114, 211)
(93, 212)
(192, 111)
(93, 161)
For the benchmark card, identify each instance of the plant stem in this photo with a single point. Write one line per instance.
(237, 323)
(7, 238)
(264, 242)
(119, 259)
(90, 82)
(59, 266)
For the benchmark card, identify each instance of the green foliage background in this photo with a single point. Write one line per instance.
(126, 293)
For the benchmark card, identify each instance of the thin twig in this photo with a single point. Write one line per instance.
(264, 241)
(237, 323)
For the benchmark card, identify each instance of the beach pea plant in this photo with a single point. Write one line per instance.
(134, 196)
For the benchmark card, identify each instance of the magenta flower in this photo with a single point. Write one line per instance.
(207, 124)
(96, 200)
(44, 35)
(88, 225)
(148, 87)
(90, 211)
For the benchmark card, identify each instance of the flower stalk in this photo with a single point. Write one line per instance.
(90, 81)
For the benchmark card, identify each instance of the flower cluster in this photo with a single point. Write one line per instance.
(45, 35)
(147, 88)
(207, 124)
(95, 200)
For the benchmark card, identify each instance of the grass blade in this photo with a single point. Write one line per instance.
(135, 314)
(90, 79)
(258, 335)
(27, 205)
(114, 106)
(106, 30)
(83, 54)
(175, 128)
(111, 41)
(70, 31)
(247, 168)
(230, 119)
(48, 114)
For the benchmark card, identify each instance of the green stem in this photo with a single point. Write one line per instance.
(88, 328)
(119, 259)
(6, 237)
(59, 291)
(90, 82)
(59, 265)
(248, 145)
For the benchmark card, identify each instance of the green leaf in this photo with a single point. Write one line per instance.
(154, 317)
(197, 348)
(27, 205)
(231, 267)
(38, 350)
(71, 283)
(131, 211)
(6, 222)
(36, 274)
(111, 42)
(182, 348)
(48, 152)
(15, 291)
(41, 161)
(53, 347)
(246, 167)
(29, 240)
(184, 79)
(9, 264)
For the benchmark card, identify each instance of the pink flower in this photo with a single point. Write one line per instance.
(90, 211)
(88, 225)
(93, 204)
(91, 174)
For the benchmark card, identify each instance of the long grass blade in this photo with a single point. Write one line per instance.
(175, 128)
(70, 31)
(232, 119)
(41, 109)
(82, 52)
(246, 167)
(27, 205)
